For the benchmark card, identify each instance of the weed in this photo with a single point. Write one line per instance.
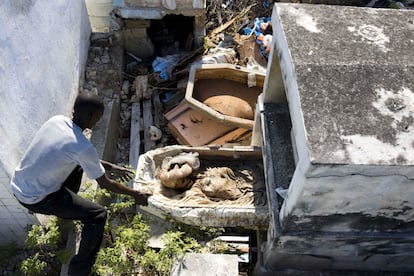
(125, 249)
(44, 246)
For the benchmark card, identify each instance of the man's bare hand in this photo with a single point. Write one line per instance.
(141, 198)
(118, 172)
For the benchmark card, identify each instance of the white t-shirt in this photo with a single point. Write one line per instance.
(57, 148)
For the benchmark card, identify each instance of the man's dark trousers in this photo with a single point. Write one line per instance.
(66, 204)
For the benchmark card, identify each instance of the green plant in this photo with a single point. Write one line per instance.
(197, 232)
(92, 194)
(175, 246)
(33, 265)
(43, 244)
(125, 250)
(152, 261)
(122, 256)
(217, 247)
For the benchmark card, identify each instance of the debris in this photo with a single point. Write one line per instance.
(140, 89)
(155, 133)
(251, 80)
(135, 138)
(218, 55)
(230, 22)
(262, 29)
(165, 65)
(191, 127)
(148, 122)
(134, 57)
(230, 105)
(144, 96)
(210, 80)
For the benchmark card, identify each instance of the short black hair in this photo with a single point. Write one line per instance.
(88, 102)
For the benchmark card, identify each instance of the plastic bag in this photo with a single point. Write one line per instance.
(165, 65)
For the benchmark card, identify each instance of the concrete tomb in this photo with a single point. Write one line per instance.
(347, 75)
(222, 187)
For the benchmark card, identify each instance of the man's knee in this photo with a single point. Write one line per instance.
(101, 214)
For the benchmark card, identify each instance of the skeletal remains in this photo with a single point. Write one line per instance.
(182, 180)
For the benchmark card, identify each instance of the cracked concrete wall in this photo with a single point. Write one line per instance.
(43, 50)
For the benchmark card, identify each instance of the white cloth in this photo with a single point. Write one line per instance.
(57, 148)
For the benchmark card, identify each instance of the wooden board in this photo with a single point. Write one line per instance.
(135, 138)
(194, 128)
(148, 122)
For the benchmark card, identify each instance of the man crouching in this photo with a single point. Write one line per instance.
(49, 176)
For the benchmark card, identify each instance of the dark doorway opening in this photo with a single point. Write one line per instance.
(172, 34)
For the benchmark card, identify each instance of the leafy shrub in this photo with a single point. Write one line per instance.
(46, 253)
(122, 256)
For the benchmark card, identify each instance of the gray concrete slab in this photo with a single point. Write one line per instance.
(195, 264)
(348, 78)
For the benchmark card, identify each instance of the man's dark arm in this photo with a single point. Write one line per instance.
(116, 187)
(115, 171)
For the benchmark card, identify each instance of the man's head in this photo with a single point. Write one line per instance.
(88, 109)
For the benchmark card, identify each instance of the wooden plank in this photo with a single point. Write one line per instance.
(239, 136)
(228, 72)
(193, 128)
(158, 109)
(176, 111)
(135, 139)
(148, 122)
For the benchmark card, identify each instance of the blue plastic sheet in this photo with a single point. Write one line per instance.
(257, 31)
(165, 65)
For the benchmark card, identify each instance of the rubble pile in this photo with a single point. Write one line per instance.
(238, 32)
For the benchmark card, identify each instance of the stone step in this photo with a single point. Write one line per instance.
(196, 264)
